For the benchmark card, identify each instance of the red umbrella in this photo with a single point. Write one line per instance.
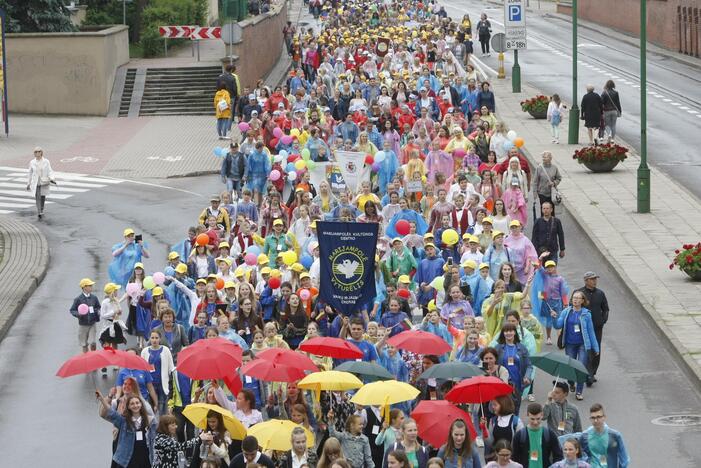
(420, 342)
(331, 347)
(478, 390)
(211, 358)
(269, 371)
(287, 357)
(434, 417)
(93, 360)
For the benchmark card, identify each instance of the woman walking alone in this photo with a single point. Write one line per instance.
(612, 109)
(222, 107)
(40, 176)
(555, 111)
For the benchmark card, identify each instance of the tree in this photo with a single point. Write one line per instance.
(37, 16)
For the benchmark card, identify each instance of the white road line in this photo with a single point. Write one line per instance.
(675, 104)
(54, 196)
(69, 183)
(72, 177)
(20, 201)
(684, 108)
(56, 188)
(667, 100)
(692, 112)
(6, 211)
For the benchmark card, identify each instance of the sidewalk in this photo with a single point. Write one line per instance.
(24, 259)
(638, 246)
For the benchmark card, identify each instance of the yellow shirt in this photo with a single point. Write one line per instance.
(363, 199)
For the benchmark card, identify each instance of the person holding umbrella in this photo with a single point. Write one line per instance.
(578, 336)
(167, 449)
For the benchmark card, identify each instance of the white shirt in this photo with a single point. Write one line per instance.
(297, 461)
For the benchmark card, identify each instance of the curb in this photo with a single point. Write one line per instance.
(18, 251)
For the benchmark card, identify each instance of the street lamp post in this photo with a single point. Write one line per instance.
(643, 169)
(573, 134)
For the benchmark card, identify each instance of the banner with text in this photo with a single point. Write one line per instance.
(347, 257)
(342, 174)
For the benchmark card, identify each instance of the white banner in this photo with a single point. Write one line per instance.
(345, 173)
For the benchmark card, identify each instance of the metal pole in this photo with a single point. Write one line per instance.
(573, 134)
(643, 169)
(165, 43)
(124, 12)
(198, 50)
(516, 74)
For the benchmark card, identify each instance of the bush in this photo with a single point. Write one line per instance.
(151, 43)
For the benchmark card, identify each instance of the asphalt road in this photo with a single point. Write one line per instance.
(674, 92)
(639, 379)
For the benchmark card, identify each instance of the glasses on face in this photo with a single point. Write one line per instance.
(596, 418)
(504, 455)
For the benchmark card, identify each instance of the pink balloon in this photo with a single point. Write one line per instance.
(132, 289)
(274, 175)
(83, 309)
(159, 278)
(277, 132)
(251, 259)
(244, 127)
(286, 139)
(304, 294)
(459, 153)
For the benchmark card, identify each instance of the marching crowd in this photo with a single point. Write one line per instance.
(449, 188)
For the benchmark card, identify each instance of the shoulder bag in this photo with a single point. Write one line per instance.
(555, 194)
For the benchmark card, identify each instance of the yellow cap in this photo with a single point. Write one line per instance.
(138, 265)
(405, 279)
(201, 280)
(263, 259)
(466, 236)
(496, 234)
(429, 235)
(128, 232)
(432, 305)
(86, 282)
(157, 291)
(181, 268)
(550, 263)
(226, 260)
(515, 223)
(474, 239)
(278, 222)
(470, 264)
(239, 272)
(229, 284)
(224, 244)
(298, 267)
(313, 224)
(275, 273)
(483, 265)
(304, 275)
(173, 255)
(488, 219)
(265, 270)
(110, 288)
(430, 244)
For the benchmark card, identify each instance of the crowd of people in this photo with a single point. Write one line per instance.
(449, 188)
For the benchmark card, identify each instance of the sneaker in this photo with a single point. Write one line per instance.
(557, 142)
(572, 387)
(40, 215)
(549, 342)
(579, 397)
(531, 397)
(479, 442)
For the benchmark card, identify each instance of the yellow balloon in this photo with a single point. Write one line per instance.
(450, 237)
(289, 258)
(300, 164)
(294, 132)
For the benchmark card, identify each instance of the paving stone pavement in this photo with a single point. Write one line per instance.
(639, 246)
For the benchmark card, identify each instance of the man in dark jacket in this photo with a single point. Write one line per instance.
(251, 107)
(591, 109)
(548, 235)
(250, 455)
(227, 79)
(234, 169)
(599, 308)
(545, 450)
(86, 308)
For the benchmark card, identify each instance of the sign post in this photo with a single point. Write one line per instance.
(499, 45)
(4, 110)
(515, 31)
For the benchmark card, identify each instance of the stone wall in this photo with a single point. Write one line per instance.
(64, 73)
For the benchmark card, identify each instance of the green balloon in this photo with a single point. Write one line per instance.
(311, 164)
(306, 154)
(149, 283)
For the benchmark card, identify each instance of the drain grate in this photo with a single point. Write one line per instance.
(678, 420)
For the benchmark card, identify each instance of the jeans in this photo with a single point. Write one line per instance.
(222, 127)
(578, 352)
(234, 185)
(610, 117)
(484, 42)
(555, 130)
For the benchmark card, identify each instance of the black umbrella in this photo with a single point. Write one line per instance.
(367, 369)
(455, 370)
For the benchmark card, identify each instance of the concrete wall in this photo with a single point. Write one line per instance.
(663, 23)
(261, 44)
(212, 11)
(64, 73)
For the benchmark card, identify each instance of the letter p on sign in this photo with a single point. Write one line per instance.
(515, 13)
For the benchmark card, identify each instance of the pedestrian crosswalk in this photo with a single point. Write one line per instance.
(15, 197)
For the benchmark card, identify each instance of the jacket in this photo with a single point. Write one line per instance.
(548, 235)
(598, 305)
(555, 414)
(167, 366)
(127, 437)
(422, 454)
(611, 101)
(617, 456)
(234, 166)
(525, 367)
(452, 461)
(286, 459)
(222, 95)
(551, 451)
(38, 171)
(178, 341)
(91, 317)
(586, 324)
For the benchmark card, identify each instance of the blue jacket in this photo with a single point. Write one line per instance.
(586, 325)
(433, 110)
(127, 437)
(452, 462)
(617, 456)
(525, 367)
(427, 271)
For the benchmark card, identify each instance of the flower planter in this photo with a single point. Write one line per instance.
(539, 115)
(606, 165)
(694, 275)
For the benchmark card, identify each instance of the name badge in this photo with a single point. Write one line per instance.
(375, 429)
(577, 329)
(279, 248)
(139, 435)
(561, 426)
(91, 309)
(603, 461)
(248, 331)
(510, 361)
(249, 379)
(534, 455)
(432, 393)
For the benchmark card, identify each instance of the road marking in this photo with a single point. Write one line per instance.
(675, 104)
(19, 193)
(667, 100)
(684, 108)
(54, 188)
(692, 112)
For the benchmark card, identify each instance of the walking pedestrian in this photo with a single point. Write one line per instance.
(535, 445)
(39, 179)
(222, 108)
(559, 415)
(612, 109)
(503, 453)
(599, 308)
(548, 235)
(86, 308)
(572, 453)
(546, 179)
(126, 256)
(603, 445)
(234, 170)
(484, 32)
(112, 334)
(591, 109)
(556, 109)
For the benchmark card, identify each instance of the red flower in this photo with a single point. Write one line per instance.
(676, 251)
(687, 246)
(689, 259)
(671, 266)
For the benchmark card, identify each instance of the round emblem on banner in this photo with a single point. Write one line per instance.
(382, 46)
(351, 167)
(348, 268)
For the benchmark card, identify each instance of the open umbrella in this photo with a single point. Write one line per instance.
(561, 366)
(276, 434)
(287, 357)
(454, 370)
(211, 358)
(94, 360)
(331, 347)
(478, 390)
(330, 380)
(369, 370)
(434, 418)
(384, 393)
(420, 342)
(197, 414)
(269, 371)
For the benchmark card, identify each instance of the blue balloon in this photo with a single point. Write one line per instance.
(254, 249)
(283, 153)
(508, 145)
(306, 261)
(219, 152)
(380, 156)
(169, 271)
(290, 167)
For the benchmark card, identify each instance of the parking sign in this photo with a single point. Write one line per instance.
(515, 24)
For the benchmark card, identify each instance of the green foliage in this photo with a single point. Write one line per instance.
(175, 12)
(37, 16)
(151, 43)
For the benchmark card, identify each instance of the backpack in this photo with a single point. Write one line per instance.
(556, 116)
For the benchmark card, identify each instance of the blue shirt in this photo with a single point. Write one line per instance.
(574, 329)
(154, 358)
(368, 349)
(142, 378)
(512, 362)
(394, 322)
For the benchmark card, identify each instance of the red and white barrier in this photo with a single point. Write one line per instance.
(174, 32)
(198, 33)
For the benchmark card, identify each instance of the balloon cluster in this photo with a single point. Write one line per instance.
(513, 140)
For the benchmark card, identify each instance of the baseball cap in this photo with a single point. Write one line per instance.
(590, 274)
(470, 264)
(404, 279)
(483, 265)
(550, 263)
(181, 268)
(86, 282)
(224, 244)
(262, 259)
(138, 265)
(128, 232)
(229, 284)
(173, 255)
(110, 288)
(495, 234)
(157, 291)
(278, 222)
(515, 223)
(430, 244)
(304, 275)
(215, 198)
(265, 271)
(488, 220)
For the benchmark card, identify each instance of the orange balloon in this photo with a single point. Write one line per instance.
(518, 142)
(202, 239)
(489, 205)
(220, 283)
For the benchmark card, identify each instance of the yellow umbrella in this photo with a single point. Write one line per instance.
(330, 380)
(384, 393)
(197, 414)
(275, 434)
